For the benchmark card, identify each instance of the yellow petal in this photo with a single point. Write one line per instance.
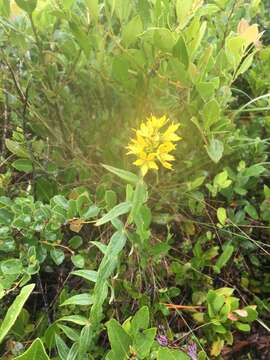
(167, 157)
(138, 162)
(151, 157)
(152, 165)
(166, 164)
(166, 147)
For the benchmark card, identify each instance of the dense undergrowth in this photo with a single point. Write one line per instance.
(154, 248)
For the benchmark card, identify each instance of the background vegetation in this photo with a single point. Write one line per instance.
(96, 262)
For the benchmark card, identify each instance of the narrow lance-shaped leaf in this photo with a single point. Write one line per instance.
(139, 198)
(81, 299)
(14, 310)
(118, 210)
(128, 176)
(106, 269)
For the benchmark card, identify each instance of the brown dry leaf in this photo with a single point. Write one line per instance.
(76, 225)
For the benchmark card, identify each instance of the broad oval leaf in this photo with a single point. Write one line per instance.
(215, 150)
(120, 341)
(35, 351)
(23, 165)
(170, 354)
(27, 5)
(132, 30)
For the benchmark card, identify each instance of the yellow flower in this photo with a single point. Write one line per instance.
(146, 162)
(153, 143)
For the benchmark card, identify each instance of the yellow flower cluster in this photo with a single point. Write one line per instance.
(153, 144)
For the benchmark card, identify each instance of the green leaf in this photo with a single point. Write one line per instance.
(35, 351)
(61, 201)
(69, 332)
(110, 199)
(106, 269)
(118, 210)
(247, 62)
(16, 148)
(211, 113)
(235, 49)
(84, 341)
(164, 39)
(143, 342)
(169, 354)
(224, 257)
(242, 327)
(23, 165)
(254, 170)
(76, 319)
(140, 321)
(206, 89)
(132, 30)
(81, 299)
(81, 37)
(222, 215)
(251, 211)
(215, 302)
(11, 267)
(128, 176)
(89, 275)
(78, 260)
(67, 4)
(27, 5)
(57, 255)
(120, 341)
(14, 310)
(100, 246)
(62, 348)
(93, 8)
(252, 313)
(180, 52)
(191, 185)
(5, 8)
(75, 242)
(45, 189)
(215, 150)
(221, 180)
(139, 198)
(183, 12)
(73, 352)
(6, 217)
(120, 67)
